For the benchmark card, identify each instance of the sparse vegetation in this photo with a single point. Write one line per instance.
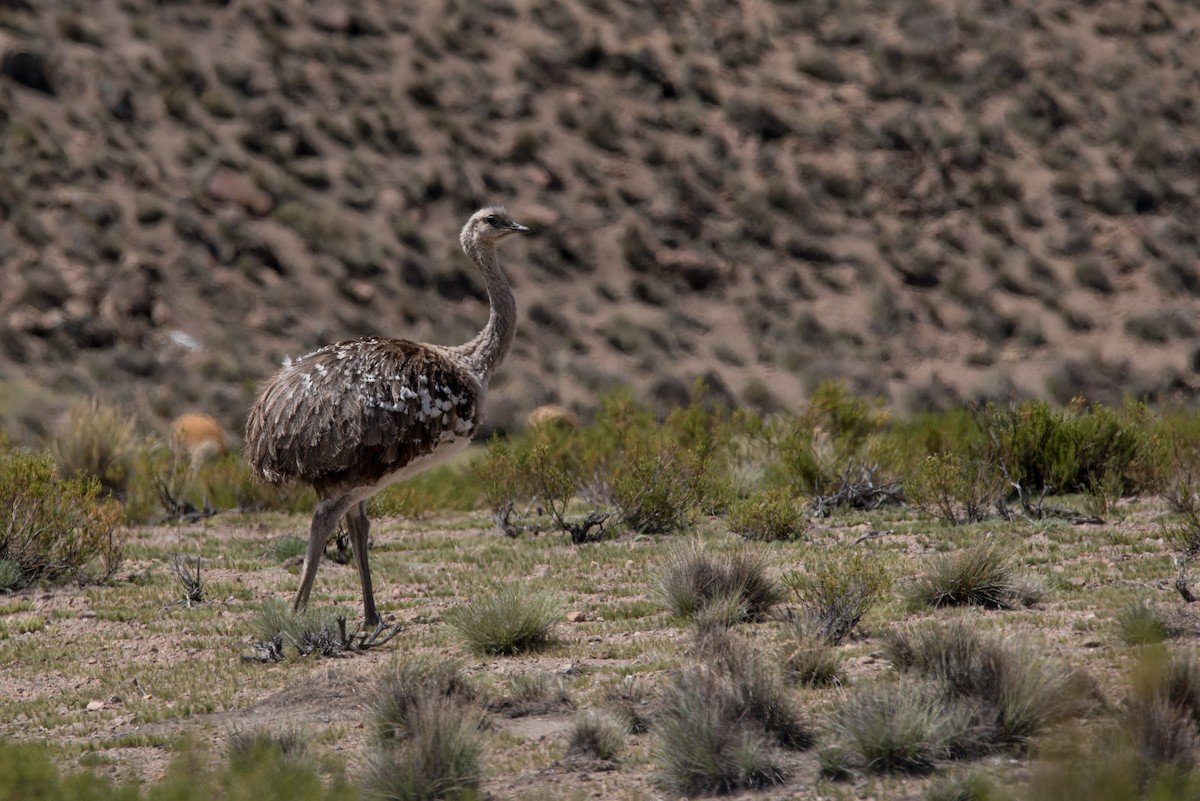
(980, 575)
(691, 581)
(837, 592)
(508, 620)
(596, 736)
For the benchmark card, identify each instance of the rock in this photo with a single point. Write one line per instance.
(233, 187)
(576, 616)
(94, 706)
(28, 68)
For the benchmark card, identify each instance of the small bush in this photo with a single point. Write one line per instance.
(702, 746)
(769, 515)
(97, 440)
(404, 685)
(11, 576)
(837, 592)
(596, 736)
(953, 488)
(966, 787)
(904, 728)
(656, 490)
(982, 575)
(809, 657)
(1162, 712)
(56, 528)
(690, 580)
(440, 758)
(1015, 691)
(535, 693)
(510, 620)
(311, 631)
(1140, 624)
(753, 689)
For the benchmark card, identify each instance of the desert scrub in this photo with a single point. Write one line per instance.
(904, 728)
(56, 529)
(703, 744)
(1162, 711)
(509, 620)
(690, 581)
(447, 488)
(407, 683)
(809, 658)
(1014, 690)
(96, 440)
(981, 575)
(837, 591)
(772, 514)
(440, 756)
(954, 488)
(596, 736)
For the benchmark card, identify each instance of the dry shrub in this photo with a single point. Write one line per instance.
(96, 440)
(982, 575)
(736, 586)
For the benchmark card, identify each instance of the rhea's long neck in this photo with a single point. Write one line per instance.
(491, 345)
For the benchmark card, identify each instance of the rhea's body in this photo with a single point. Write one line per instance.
(355, 416)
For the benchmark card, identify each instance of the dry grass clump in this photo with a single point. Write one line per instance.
(719, 723)
(981, 575)
(532, 693)
(1015, 691)
(400, 688)
(897, 728)
(96, 440)
(510, 620)
(596, 736)
(244, 745)
(729, 589)
(1162, 712)
(429, 740)
(809, 658)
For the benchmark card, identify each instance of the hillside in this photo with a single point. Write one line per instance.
(932, 200)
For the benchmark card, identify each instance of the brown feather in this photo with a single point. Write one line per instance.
(355, 412)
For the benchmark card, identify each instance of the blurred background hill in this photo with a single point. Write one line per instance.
(934, 201)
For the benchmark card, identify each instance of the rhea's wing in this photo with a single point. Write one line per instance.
(359, 410)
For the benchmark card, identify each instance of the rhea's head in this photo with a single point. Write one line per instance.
(489, 225)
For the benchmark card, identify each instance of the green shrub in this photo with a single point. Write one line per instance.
(981, 575)
(769, 515)
(509, 620)
(657, 488)
(97, 440)
(56, 529)
(596, 736)
(11, 576)
(285, 547)
(690, 580)
(1140, 624)
(837, 592)
(954, 488)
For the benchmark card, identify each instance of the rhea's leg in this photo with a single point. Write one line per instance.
(360, 526)
(324, 522)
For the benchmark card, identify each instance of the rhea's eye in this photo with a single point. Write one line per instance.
(491, 218)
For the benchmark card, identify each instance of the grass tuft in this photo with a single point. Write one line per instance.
(441, 757)
(596, 736)
(838, 592)
(404, 684)
(510, 620)
(737, 587)
(982, 575)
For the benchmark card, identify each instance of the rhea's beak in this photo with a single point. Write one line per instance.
(517, 227)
